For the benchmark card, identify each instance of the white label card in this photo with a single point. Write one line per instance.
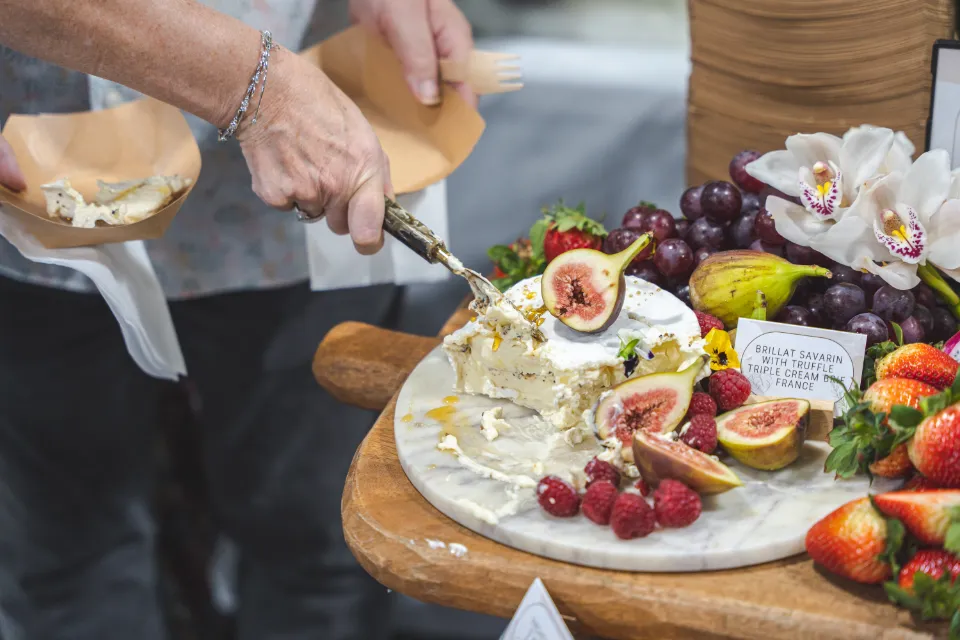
(788, 361)
(537, 618)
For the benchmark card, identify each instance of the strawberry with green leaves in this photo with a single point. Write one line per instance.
(865, 442)
(932, 433)
(515, 262)
(921, 362)
(565, 229)
(856, 542)
(933, 516)
(927, 585)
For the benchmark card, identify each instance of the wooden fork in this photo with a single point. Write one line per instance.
(486, 72)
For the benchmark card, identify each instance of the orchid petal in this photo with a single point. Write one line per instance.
(821, 200)
(862, 154)
(779, 169)
(793, 222)
(901, 154)
(871, 200)
(902, 233)
(944, 229)
(810, 148)
(848, 241)
(899, 275)
(926, 185)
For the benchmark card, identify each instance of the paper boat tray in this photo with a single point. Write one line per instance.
(133, 141)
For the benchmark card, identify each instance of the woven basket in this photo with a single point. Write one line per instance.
(766, 69)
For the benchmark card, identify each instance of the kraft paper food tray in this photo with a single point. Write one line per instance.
(133, 141)
(424, 144)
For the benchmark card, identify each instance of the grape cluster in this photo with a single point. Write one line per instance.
(724, 216)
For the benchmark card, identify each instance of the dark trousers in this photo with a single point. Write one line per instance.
(77, 451)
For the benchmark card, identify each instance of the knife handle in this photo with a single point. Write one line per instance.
(411, 232)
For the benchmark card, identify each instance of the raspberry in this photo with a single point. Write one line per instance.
(700, 403)
(729, 388)
(632, 517)
(598, 469)
(701, 433)
(676, 504)
(598, 501)
(642, 486)
(707, 322)
(557, 497)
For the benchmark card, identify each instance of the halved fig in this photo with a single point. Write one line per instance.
(766, 435)
(584, 288)
(655, 402)
(659, 458)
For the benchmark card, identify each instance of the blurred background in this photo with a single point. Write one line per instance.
(600, 120)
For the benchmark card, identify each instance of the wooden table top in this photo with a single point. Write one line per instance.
(387, 524)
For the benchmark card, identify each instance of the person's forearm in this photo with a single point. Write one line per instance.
(177, 51)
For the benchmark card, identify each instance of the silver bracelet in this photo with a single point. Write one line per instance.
(266, 45)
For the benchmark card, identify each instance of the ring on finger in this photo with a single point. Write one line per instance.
(304, 217)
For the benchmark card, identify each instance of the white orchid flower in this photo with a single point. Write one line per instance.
(900, 156)
(825, 172)
(903, 221)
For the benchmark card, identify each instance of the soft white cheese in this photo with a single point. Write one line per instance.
(495, 355)
(492, 423)
(116, 203)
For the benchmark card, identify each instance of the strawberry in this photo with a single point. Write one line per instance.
(933, 562)
(568, 229)
(515, 262)
(932, 516)
(928, 586)
(498, 273)
(851, 542)
(933, 435)
(919, 483)
(921, 362)
(865, 442)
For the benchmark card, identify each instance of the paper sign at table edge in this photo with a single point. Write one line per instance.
(537, 602)
(842, 338)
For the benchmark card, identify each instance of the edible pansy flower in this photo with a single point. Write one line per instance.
(824, 172)
(900, 222)
(718, 347)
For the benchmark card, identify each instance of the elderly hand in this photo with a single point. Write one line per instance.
(420, 32)
(313, 149)
(10, 174)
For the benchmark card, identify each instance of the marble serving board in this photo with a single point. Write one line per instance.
(764, 520)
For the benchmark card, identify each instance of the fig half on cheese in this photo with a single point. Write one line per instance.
(584, 288)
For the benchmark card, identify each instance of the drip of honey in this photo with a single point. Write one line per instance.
(496, 341)
(407, 418)
(451, 400)
(444, 415)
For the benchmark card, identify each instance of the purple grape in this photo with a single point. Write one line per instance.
(720, 201)
(924, 295)
(870, 325)
(759, 245)
(704, 233)
(738, 171)
(924, 317)
(690, 203)
(741, 233)
(751, 203)
(815, 307)
(683, 226)
(944, 324)
(870, 282)
(770, 191)
(660, 225)
(893, 304)
(673, 258)
(633, 219)
(912, 331)
(683, 293)
(619, 239)
(645, 271)
(843, 273)
(702, 254)
(766, 228)
(792, 314)
(843, 301)
(798, 254)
